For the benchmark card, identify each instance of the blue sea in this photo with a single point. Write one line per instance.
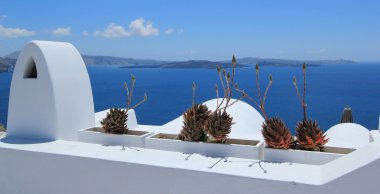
(329, 89)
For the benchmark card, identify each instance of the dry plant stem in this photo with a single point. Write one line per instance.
(228, 97)
(258, 83)
(232, 78)
(250, 98)
(194, 87)
(303, 98)
(127, 90)
(260, 106)
(297, 90)
(217, 95)
(223, 87)
(138, 104)
(241, 98)
(304, 90)
(261, 103)
(221, 81)
(220, 104)
(230, 83)
(233, 70)
(224, 97)
(227, 77)
(254, 101)
(131, 93)
(267, 89)
(227, 84)
(261, 100)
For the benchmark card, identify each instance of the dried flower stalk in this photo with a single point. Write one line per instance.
(261, 99)
(303, 98)
(129, 92)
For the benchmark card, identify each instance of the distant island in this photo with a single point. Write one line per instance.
(189, 65)
(7, 62)
(288, 62)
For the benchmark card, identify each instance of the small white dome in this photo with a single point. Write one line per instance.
(348, 135)
(248, 121)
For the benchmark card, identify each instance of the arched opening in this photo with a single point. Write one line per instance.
(30, 69)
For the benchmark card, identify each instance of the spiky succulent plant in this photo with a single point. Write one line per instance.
(219, 123)
(310, 136)
(276, 134)
(193, 122)
(218, 126)
(115, 122)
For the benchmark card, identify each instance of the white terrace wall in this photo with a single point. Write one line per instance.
(50, 95)
(47, 173)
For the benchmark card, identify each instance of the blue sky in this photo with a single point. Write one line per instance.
(213, 30)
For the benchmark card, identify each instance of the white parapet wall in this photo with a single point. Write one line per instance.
(50, 96)
(62, 167)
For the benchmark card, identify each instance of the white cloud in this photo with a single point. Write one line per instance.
(85, 33)
(137, 27)
(2, 17)
(14, 32)
(322, 50)
(113, 31)
(62, 31)
(169, 31)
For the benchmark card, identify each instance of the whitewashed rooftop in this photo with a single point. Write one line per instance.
(46, 156)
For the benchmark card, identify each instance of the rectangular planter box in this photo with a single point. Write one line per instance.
(305, 157)
(238, 148)
(97, 136)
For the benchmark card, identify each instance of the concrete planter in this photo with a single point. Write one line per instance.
(305, 157)
(96, 135)
(232, 148)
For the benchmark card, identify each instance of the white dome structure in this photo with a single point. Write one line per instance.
(348, 135)
(50, 96)
(248, 121)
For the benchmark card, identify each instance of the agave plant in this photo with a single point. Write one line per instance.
(116, 120)
(193, 121)
(276, 134)
(309, 135)
(218, 126)
(219, 123)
